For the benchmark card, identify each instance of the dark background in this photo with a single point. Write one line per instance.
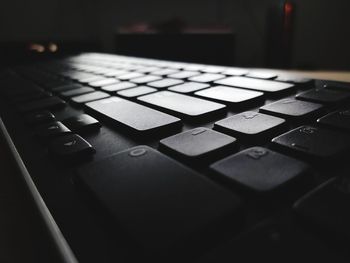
(321, 28)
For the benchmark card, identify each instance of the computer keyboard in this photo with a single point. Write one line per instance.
(157, 161)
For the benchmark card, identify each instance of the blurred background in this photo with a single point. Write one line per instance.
(298, 34)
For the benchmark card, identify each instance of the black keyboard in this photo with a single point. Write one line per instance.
(148, 160)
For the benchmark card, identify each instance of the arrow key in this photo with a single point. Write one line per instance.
(71, 146)
(52, 129)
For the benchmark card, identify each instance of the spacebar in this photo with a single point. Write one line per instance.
(134, 117)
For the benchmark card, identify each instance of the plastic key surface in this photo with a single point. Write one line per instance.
(135, 117)
(157, 201)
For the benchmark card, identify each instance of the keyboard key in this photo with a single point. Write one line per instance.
(103, 82)
(71, 147)
(164, 83)
(97, 95)
(199, 144)
(315, 143)
(76, 92)
(292, 109)
(135, 92)
(130, 75)
(115, 73)
(52, 129)
(235, 71)
(91, 79)
(261, 74)
(39, 117)
(82, 123)
(300, 81)
(207, 77)
(67, 87)
(251, 126)
(164, 72)
(184, 105)
(327, 208)
(134, 117)
(232, 96)
(148, 69)
(213, 69)
(256, 84)
(119, 86)
(183, 74)
(170, 203)
(260, 170)
(325, 96)
(189, 87)
(145, 79)
(42, 104)
(338, 120)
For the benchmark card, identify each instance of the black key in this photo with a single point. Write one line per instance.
(39, 117)
(339, 120)
(136, 118)
(251, 126)
(261, 74)
(42, 104)
(161, 208)
(52, 129)
(256, 84)
(82, 123)
(184, 105)
(76, 92)
(164, 83)
(198, 144)
(135, 92)
(206, 77)
(260, 170)
(325, 96)
(333, 85)
(231, 96)
(189, 87)
(292, 109)
(327, 208)
(71, 147)
(97, 95)
(67, 87)
(316, 143)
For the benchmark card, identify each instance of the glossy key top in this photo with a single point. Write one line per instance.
(134, 117)
(182, 104)
(260, 169)
(230, 95)
(198, 144)
(316, 143)
(256, 84)
(253, 127)
(71, 147)
(158, 202)
(293, 109)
